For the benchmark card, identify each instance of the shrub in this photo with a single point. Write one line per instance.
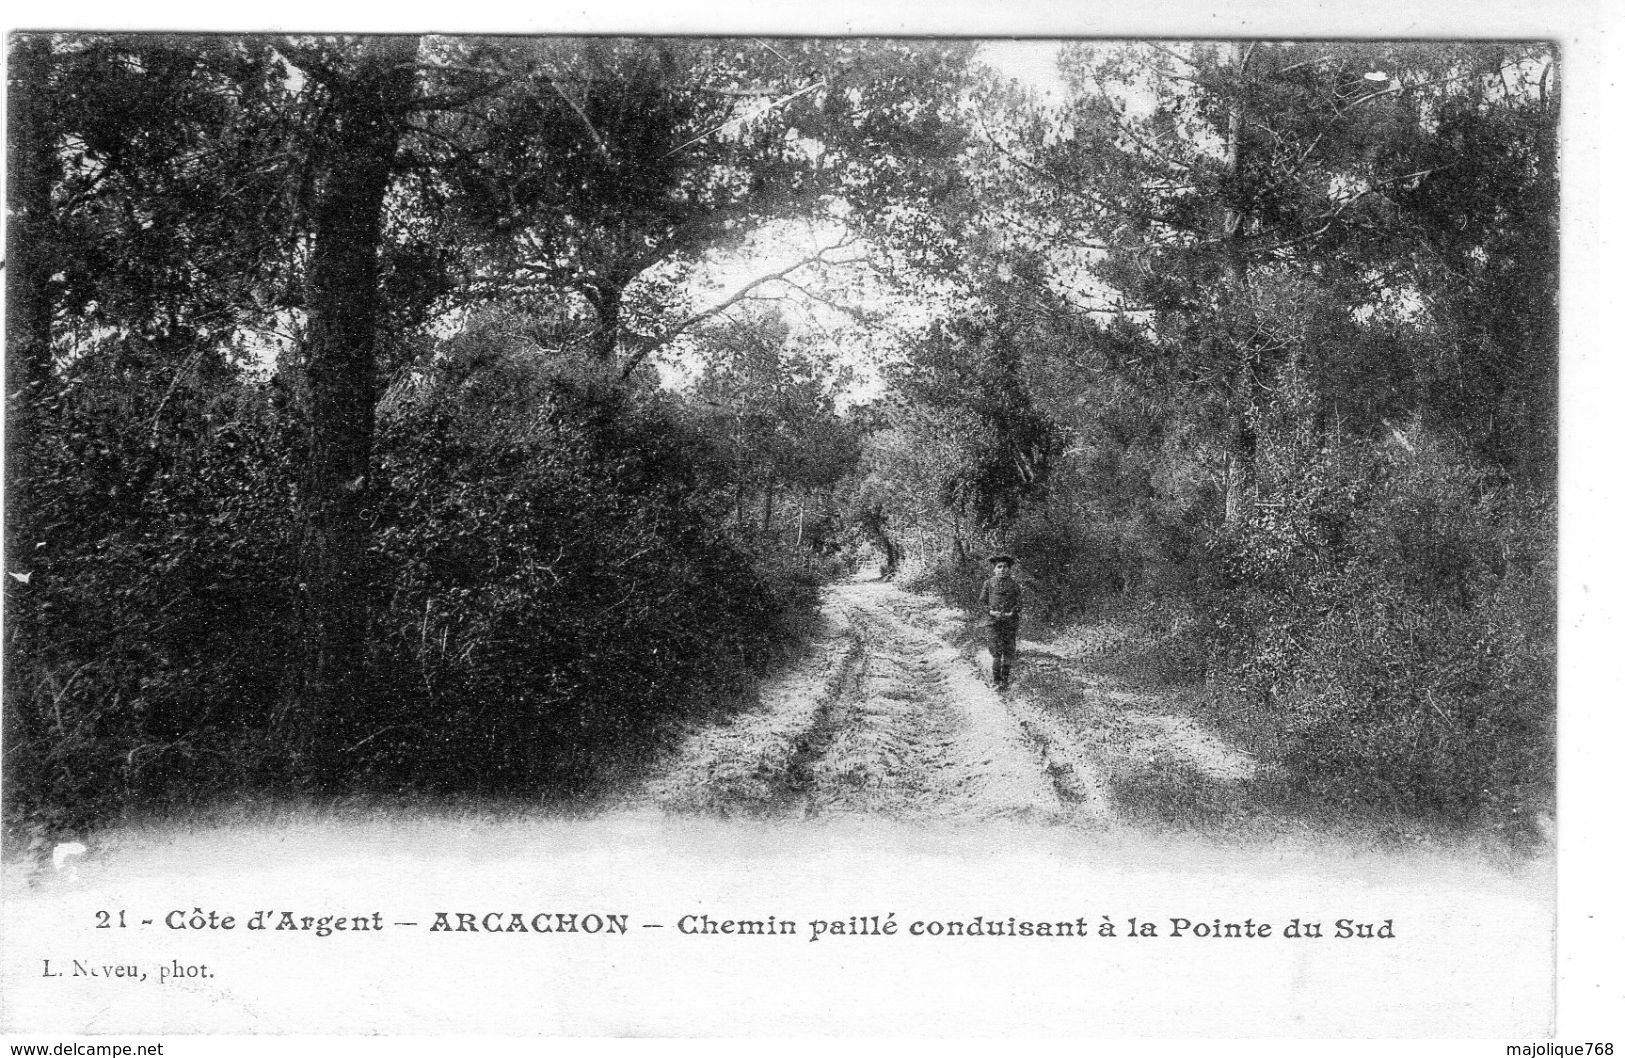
(1396, 612)
(558, 584)
(146, 647)
(554, 579)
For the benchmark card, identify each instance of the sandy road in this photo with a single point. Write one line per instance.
(883, 714)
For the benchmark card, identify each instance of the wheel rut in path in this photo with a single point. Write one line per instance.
(758, 762)
(882, 715)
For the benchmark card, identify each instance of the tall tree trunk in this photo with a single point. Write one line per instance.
(369, 105)
(1239, 468)
(801, 531)
(30, 162)
(1537, 459)
(873, 522)
(606, 299)
(30, 165)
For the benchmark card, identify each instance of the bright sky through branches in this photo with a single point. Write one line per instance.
(1030, 62)
(856, 344)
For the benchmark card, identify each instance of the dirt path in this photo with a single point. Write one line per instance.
(885, 715)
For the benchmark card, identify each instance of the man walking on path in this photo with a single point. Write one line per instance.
(1001, 598)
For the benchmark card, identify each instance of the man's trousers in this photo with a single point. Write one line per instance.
(1001, 643)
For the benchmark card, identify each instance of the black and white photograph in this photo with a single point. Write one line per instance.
(694, 535)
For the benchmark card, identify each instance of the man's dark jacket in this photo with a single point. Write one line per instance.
(1001, 596)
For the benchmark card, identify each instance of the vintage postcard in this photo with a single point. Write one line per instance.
(1040, 533)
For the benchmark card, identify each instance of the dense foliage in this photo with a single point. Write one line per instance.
(338, 455)
(1293, 308)
(330, 463)
(553, 571)
(559, 578)
(147, 643)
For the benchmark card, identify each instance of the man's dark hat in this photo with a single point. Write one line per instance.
(996, 559)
